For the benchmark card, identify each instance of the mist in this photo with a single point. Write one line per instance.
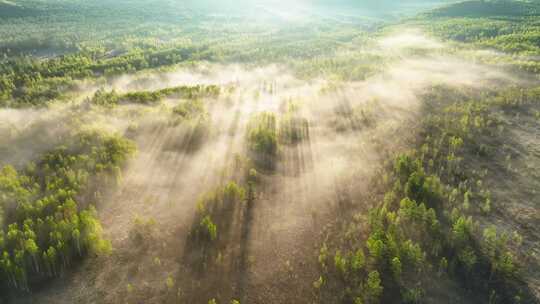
(353, 127)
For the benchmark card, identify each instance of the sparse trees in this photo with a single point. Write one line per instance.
(46, 226)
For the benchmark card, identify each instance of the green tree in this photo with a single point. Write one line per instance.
(358, 260)
(396, 268)
(374, 289)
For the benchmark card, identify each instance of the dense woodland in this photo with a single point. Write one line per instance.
(447, 211)
(508, 29)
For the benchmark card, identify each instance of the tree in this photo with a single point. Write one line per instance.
(76, 235)
(443, 265)
(209, 228)
(262, 139)
(50, 257)
(461, 231)
(468, 258)
(374, 288)
(396, 268)
(340, 262)
(358, 260)
(375, 246)
(32, 249)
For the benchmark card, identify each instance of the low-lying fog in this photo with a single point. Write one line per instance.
(352, 126)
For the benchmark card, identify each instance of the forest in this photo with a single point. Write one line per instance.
(315, 151)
